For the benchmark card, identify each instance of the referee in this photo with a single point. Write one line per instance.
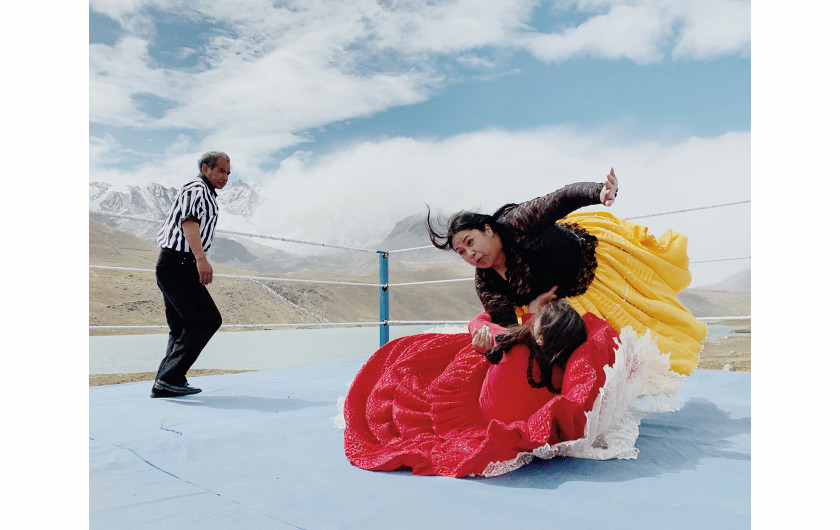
(183, 271)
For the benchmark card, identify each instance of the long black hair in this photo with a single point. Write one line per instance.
(462, 220)
(562, 331)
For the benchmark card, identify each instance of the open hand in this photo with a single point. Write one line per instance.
(482, 339)
(537, 303)
(610, 190)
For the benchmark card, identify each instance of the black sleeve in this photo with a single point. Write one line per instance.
(499, 305)
(540, 213)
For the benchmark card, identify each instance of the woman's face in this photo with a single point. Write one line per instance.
(479, 248)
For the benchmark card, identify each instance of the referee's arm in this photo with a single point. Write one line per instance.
(193, 237)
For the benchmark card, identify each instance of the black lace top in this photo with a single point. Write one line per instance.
(539, 253)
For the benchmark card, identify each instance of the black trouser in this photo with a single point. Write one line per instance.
(190, 312)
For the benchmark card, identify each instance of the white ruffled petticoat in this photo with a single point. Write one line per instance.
(640, 382)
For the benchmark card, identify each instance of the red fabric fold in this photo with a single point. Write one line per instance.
(416, 404)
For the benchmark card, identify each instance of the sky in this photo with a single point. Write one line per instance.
(351, 115)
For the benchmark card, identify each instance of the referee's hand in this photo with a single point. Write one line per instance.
(205, 271)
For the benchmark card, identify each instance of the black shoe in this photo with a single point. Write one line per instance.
(162, 389)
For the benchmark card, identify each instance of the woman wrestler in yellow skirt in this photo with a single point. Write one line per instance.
(604, 265)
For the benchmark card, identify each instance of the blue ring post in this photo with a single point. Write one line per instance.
(383, 298)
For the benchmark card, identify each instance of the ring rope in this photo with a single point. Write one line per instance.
(275, 238)
(687, 210)
(719, 259)
(302, 242)
(303, 324)
(260, 278)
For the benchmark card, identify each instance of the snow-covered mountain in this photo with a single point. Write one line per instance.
(237, 203)
(409, 232)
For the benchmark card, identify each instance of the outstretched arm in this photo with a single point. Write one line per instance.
(483, 320)
(539, 213)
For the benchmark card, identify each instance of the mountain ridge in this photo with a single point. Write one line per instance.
(132, 298)
(241, 200)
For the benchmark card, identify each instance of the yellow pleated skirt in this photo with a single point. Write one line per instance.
(636, 284)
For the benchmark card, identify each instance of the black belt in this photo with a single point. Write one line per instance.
(173, 252)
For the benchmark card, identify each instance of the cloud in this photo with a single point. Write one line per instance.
(355, 196)
(102, 150)
(446, 27)
(624, 32)
(117, 73)
(288, 90)
(714, 28)
(119, 10)
(267, 74)
(646, 31)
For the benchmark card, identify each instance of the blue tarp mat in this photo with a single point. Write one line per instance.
(260, 450)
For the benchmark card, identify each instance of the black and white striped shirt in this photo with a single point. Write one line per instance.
(196, 201)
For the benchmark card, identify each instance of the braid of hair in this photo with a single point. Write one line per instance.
(530, 372)
(494, 354)
(546, 371)
(519, 334)
(549, 384)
